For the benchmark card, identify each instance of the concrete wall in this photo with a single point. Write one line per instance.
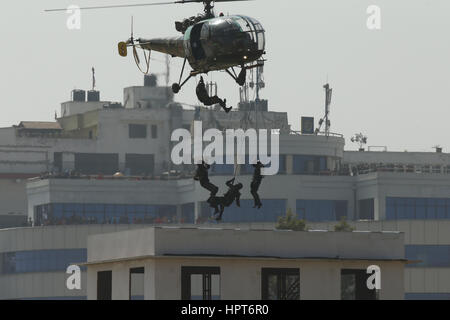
(13, 196)
(249, 243)
(241, 254)
(240, 278)
(417, 232)
(46, 284)
(407, 158)
(289, 187)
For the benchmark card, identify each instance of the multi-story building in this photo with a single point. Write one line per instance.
(201, 263)
(318, 180)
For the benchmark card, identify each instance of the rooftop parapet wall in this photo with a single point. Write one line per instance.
(312, 145)
(245, 243)
(413, 158)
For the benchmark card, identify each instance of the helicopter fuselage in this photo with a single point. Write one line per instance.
(215, 44)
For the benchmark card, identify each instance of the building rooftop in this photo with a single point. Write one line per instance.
(39, 125)
(219, 242)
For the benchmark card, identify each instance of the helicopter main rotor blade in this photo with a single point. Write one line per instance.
(142, 5)
(116, 6)
(189, 1)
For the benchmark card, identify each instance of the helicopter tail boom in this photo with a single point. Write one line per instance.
(173, 45)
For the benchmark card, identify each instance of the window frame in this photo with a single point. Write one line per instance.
(281, 274)
(360, 275)
(107, 294)
(206, 273)
(135, 270)
(132, 134)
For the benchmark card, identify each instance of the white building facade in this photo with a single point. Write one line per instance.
(72, 162)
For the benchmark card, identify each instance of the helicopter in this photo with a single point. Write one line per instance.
(208, 42)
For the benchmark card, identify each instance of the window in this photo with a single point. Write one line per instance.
(137, 283)
(429, 256)
(248, 169)
(280, 284)
(58, 161)
(80, 214)
(139, 164)
(269, 212)
(200, 283)
(366, 209)
(188, 213)
(97, 163)
(40, 260)
(427, 296)
(137, 131)
(104, 285)
(154, 132)
(321, 210)
(222, 169)
(354, 285)
(309, 164)
(417, 208)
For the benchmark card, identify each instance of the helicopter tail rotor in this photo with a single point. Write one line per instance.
(123, 51)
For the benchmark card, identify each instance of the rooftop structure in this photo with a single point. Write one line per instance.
(173, 261)
(65, 178)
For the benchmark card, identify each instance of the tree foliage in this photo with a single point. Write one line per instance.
(343, 226)
(291, 222)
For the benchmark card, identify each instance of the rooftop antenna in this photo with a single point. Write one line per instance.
(93, 78)
(259, 80)
(325, 119)
(360, 139)
(328, 95)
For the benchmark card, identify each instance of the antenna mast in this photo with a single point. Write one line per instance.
(328, 95)
(93, 78)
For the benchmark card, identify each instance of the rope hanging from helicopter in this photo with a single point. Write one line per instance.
(138, 61)
(135, 52)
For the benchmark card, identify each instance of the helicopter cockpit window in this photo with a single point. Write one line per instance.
(254, 29)
(223, 27)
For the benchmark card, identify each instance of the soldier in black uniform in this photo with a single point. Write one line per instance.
(202, 176)
(228, 198)
(203, 96)
(256, 182)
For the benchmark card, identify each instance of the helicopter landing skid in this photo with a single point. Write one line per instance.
(176, 87)
(240, 79)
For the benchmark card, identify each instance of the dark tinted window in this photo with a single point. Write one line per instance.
(80, 214)
(280, 284)
(137, 131)
(154, 132)
(104, 285)
(304, 164)
(366, 209)
(200, 283)
(269, 212)
(322, 210)
(97, 163)
(58, 161)
(428, 256)
(417, 208)
(354, 285)
(139, 164)
(40, 260)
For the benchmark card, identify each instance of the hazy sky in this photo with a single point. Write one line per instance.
(393, 84)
